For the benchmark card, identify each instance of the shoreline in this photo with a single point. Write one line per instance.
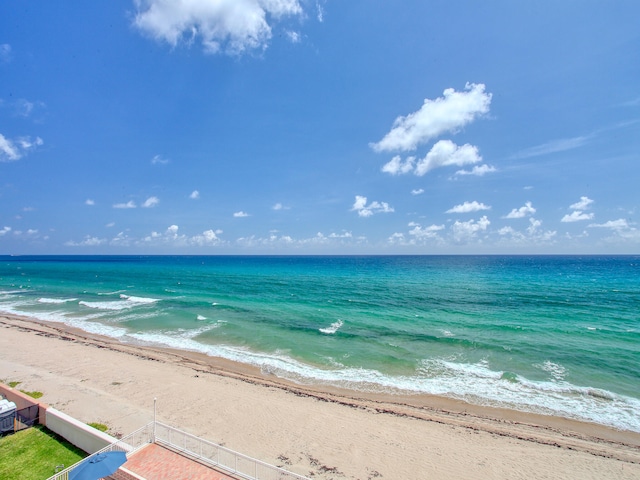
(273, 404)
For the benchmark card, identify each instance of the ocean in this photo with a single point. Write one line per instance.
(556, 335)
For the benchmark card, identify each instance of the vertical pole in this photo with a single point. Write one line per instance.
(155, 400)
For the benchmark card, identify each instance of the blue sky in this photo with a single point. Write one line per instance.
(319, 127)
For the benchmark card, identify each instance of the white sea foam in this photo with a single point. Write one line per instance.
(333, 328)
(556, 370)
(56, 301)
(475, 383)
(124, 303)
(478, 384)
(138, 299)
(113, 305)
(201, 317)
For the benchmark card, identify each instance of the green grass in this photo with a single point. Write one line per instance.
(99, 426)
(34, 453)
(33, 394)
(14, 384)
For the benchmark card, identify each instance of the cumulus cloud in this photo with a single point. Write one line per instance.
(468, 207)
(208, 237)
(294, 37)
(576, 216)
(420, 232)
(151, 202)
(478, 170)
(4, 230)
(417, 191)
(129, 204)
(620, 224)
(533, 235)
(448, 113)
(583, 204)
(194, 195)
(89, 202)
(229, 26)
(12, 150)
(446, 153)
(278, 206)
(88, 241)
(419, 235)
(240, 214)
(364, 210)
(396, 166)
(526, 209)
(463, 231)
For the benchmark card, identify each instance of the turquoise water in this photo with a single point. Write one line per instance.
(555, 335)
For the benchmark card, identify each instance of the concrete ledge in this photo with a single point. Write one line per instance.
(79, 434)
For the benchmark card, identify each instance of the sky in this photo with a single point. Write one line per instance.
(319, 127)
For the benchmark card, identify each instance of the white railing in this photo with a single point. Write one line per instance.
(128, 444)
(220, 457)
(202, 450)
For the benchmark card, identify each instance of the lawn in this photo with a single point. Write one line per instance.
(34, 453)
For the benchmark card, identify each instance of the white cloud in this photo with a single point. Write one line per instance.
(11, 150)
(341, 235)
(478, 170)
(4, 230)
(320, 10)
(446, 153)
(87, 242)
(230, 26)
(5, 53)
(466, 230)
(576, 216)
(364, 210)
(468, 207)
(278, 206)
(159, 160)
(240, 214)
(207, 238)
(89, 202)
(583, 204)
(552, 147)
(448, 113)
(194, 195)
(534, 235)
(129, 204)
(294, 37)
(526, 209)
(417, 191)
(110, 225)
(422, 233)
(622, 231)
(151, 202)
(620, 224)
(396, 166)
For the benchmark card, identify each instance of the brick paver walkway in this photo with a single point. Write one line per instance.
(154, 462)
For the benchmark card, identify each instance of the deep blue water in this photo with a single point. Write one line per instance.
(550, 334)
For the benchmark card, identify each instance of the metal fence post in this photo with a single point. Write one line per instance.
(153, 435)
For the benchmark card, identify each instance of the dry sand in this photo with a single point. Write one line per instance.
(315, 432)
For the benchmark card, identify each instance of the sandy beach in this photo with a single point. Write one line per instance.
(321, 433)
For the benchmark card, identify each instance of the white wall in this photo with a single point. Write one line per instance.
(81, 435)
